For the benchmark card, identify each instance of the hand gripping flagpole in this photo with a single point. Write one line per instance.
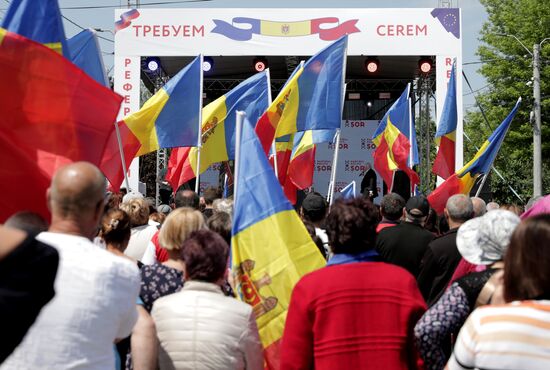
(240, 116)
(199, 143)
(122, 159)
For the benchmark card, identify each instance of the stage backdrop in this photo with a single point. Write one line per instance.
(279, 31)
(356, 148)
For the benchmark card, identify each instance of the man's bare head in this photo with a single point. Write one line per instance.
(76, 189)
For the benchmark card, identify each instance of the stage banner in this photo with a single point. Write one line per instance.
(356, 150)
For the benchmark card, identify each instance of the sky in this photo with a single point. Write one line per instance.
(101, 15)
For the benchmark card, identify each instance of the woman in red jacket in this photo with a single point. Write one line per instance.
(356, 313)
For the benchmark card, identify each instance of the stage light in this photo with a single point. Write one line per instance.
(425, 65)
(207, 64)
(372, 64)
(260, 64)
(369, 104)
(152, 63)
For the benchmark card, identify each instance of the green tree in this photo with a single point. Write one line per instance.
(508, 69)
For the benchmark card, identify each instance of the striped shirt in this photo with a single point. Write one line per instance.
(511, 336)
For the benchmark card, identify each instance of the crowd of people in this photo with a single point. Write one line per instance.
(114, 282)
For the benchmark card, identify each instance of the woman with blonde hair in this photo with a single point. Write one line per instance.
(158, 280)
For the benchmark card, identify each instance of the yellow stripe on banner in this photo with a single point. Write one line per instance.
(284, 109)
(2, 34)
(142, 122)
(451, 135)
(391, 133)
(268, 259)
(467, 182)
(478, 154)
(213, 136)
(55, 46)
(305, 144)
(269, 28)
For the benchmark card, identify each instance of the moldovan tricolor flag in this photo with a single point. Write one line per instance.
(170, 118)
(52, 114)
(445, 136)
(271, 249)
(311, 98)
(218, 129)
(463, 180)
(38, 20)
(301, 165)
(395, 140)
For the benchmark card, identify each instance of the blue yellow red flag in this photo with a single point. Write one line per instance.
(86, 54)
(463, 180)
(445, 136)
(170, 118)
(395, 141)
(218, 128)
(271, 249)
(311, 98)
(39, 21)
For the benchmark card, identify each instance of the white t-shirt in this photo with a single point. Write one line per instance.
(139, 239)
(94, 304)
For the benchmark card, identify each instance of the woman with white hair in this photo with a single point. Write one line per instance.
(481, 241)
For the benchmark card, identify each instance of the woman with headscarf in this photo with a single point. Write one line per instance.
(480, 241)
(515, 335)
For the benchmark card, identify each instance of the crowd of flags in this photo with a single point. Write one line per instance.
(59, 109)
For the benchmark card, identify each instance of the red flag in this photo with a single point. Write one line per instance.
(111, 164)
(52, 114)
(177, 175)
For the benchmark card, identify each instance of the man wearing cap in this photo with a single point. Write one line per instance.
(442, 256)
(405, 244)
(314, 210)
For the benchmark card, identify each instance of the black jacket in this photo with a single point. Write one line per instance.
(369, 184)
(404, 245)
(438, 266)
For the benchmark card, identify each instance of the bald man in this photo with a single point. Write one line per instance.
(96, 292)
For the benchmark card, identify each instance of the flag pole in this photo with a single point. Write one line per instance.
(337, 143)
(273, 144)
(122, 159)
(199, 143)
(496, 171)
(491, 166)
(238, 133)
(335, 159)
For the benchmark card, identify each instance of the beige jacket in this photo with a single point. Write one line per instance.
(200, 328)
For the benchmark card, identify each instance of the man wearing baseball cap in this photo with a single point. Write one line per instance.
(405, 244)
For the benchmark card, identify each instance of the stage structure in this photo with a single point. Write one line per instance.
(385, 47)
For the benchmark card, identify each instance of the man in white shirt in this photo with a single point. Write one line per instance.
(96, 292)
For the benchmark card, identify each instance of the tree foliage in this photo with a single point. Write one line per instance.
(508, 69)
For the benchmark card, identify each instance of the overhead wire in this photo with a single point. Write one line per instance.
(140, 5)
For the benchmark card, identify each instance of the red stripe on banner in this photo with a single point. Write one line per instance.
(444, 163)
(381, 165)
(265, 132)
(272, 356)
(438, 198)
(300, 169)
(401, 150)
(179, 169)
(111, 164)
(334, 33)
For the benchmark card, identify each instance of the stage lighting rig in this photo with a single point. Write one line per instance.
(207, 64)
(372, 64)
(425, 65)
(152, 63)
(260, 64)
